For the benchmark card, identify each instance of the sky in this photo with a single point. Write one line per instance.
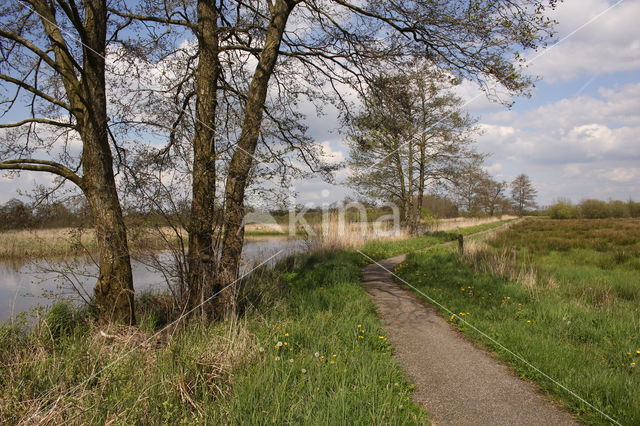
(577, 136)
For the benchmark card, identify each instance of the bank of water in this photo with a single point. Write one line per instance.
(38, 283)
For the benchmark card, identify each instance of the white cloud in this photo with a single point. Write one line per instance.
(621, 174)
(610, 43)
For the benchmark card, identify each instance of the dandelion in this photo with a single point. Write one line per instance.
(332, 362)
(290, 359)
(317, 354)
(638, 352)
(303, 371)
(453, 316)
(462, 314)
(632, 365)
(359, 325)
(360, 337)
(381, 337)
(529, 321)
(321, 356)
(277, 358)
(279, 344)
(285, 343)
(333, 356)
(286, 334)
(261, 349)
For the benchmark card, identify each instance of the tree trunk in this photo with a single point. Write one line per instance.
(202, 256)
(242, 160)
(114, 294)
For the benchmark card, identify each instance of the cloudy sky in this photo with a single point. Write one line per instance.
(578, 135)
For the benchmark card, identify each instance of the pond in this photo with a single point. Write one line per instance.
(39, 282)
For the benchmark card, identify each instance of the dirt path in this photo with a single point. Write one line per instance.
(457, 383)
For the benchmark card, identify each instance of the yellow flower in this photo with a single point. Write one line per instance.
(332, 362)
(633, 364)
(333, 356)
(285, 343)
(529, 321)
(453, 316)
(286, 334)
(360, 337)
(359, 326)
(638, 352)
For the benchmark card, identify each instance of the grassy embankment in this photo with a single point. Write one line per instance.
(308, 345)
(565, 295)
(23, 245)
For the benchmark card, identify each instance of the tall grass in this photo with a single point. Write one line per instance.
(307, 346)
(559, 296)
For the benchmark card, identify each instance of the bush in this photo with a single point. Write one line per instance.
(563, 210)
(594, 209)
(634, 208)
(619, 209)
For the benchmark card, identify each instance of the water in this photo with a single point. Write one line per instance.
(39, 283)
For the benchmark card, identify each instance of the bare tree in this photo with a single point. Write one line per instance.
(411, 134)
(329, 45)
(53, 57)
(492, 195)
(523, 193)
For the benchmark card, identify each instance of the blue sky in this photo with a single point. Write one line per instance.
(578, 136)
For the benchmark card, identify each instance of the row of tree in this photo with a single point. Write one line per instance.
(594, 209)
(15, 214)
(196, 101)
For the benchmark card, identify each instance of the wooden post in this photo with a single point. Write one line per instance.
(461, 244)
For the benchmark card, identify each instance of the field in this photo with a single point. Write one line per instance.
(23, 245)
(307, 345)
(565, 295)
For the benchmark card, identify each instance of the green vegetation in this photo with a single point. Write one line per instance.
(383, 249)
(594, 209)
(333, 362)
(577, 319)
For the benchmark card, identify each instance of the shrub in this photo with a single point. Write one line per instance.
(619, 209)
(594, 209)
(562, 210)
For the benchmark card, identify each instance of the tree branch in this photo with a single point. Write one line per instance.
(37, 120)
(42, 166)
(35, 91)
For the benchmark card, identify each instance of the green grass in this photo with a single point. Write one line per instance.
(333, 362)
(383, 249)
(583, 329)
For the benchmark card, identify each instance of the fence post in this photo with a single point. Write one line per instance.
(461, 244)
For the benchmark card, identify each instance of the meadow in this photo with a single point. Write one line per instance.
(307, 344)
(564, 295)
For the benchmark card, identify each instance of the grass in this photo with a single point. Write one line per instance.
(385, 248)
(307, 347)
(577, 316)
(23, 245)
(334, 361)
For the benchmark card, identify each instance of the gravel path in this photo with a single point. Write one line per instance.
(457, 383)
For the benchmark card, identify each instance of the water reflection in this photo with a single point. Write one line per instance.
(37, 283)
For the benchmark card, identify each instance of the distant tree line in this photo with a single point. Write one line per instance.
(15, 214)
(594, 209)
